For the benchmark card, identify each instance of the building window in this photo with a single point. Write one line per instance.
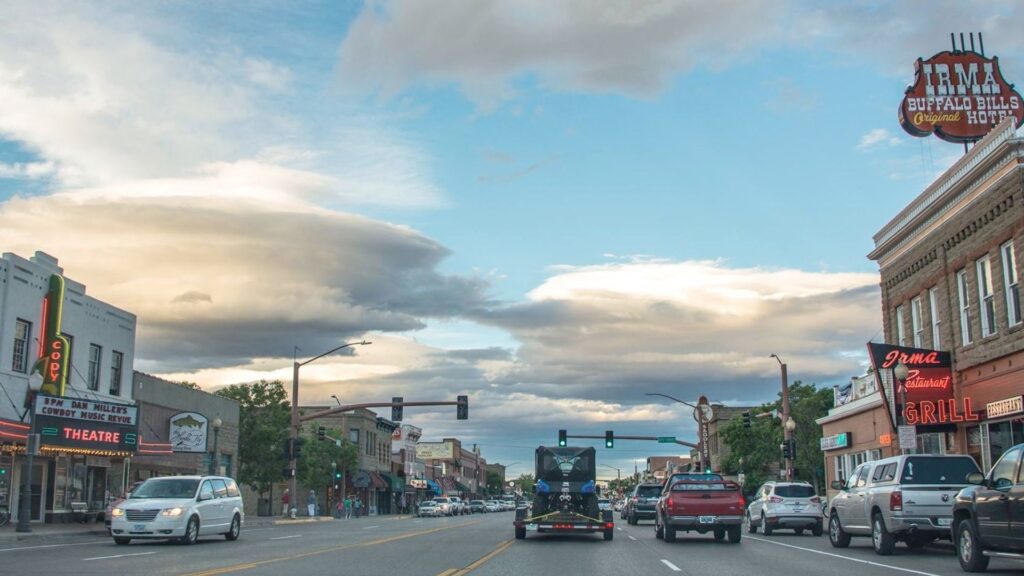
(901, 336)
(353, 436)
(22, 335)
(841, 467)
(933, 305)
(916, 322)
(965, 307)
(986, 298)
(1010, 285)
(94, 366)
(116, 361)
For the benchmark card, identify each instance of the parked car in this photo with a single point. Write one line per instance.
(988, 518)
(492, 506)
(110, 507)
(905, 498)
(641, 503)
(700, 505)
(477, 507)
(429, 508)
(793, 505)
(445, 505)
(458, 506)
(179, 507)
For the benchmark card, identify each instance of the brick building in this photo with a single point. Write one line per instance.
(949, 266)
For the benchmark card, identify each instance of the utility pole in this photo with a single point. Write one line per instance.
(787, 428)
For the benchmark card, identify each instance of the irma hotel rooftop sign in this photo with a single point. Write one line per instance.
(959, 96)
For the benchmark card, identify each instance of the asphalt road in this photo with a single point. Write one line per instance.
(482, 545)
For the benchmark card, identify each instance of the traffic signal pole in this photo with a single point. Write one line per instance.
(617, 437)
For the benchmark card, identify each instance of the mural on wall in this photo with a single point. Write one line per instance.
(188, 432)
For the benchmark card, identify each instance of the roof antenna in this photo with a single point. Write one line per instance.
(962, 42)
(952, 39)
(981, 44)
(972, 42)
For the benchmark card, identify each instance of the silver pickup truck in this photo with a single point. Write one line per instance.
(904, 498)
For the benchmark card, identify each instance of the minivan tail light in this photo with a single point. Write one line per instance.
(896, 500)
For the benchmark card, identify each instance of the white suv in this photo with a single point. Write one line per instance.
(179, 507)
(793, 505)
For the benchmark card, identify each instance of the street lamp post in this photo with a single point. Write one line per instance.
(35, 383)
(700, 413)
(900, 373)
(215, 461)
(292, 462)
(787, 429)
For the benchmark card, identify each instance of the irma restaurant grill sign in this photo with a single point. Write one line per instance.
(958, 96)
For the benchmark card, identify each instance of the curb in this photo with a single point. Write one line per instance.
(307, 520)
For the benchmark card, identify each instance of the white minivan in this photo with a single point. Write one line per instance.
(181, 508)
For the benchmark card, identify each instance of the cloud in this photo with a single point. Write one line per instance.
(876, 138)
(27, 170)
(484, 47)
(270, 269)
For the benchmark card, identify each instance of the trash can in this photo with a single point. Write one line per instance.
(263, 507)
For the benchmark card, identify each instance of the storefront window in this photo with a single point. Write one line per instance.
(1004, 435)
(77, 480)
(60, 484)
(933, 443)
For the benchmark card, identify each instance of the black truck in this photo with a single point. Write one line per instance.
(565, 499)
(988, 519)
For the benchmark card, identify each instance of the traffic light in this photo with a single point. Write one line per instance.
(321, 433)
(298, 447)
(792, 448)
(396, 411)
(287, 472)
(563, 438)
(337, 475)
(462, 410)
(788, 448)
(746, 419)
(286, 453)
(609, 439)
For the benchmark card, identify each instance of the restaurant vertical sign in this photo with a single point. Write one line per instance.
(925, 398)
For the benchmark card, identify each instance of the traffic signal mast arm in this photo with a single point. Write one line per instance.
(351, 407)
(617, 437)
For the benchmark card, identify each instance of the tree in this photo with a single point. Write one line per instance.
(759, 444)
(189, 385)
(494, 485)
(315, 468)
(524, 483)
(263, 421)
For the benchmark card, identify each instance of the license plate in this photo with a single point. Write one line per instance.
(706, 519)
(139, 528)
(531, 527)
(945, 521)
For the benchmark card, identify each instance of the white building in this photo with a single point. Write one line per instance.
(101, 342)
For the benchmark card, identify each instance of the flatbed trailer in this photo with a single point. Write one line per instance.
(564, 522)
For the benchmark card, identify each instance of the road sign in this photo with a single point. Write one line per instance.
(908, 436)
(667, 439)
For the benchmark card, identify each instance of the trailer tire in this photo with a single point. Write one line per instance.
(670, 533)
(520, 532)
(609, 533)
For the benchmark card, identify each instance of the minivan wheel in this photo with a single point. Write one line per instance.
(881, 539)
(236, 527)
(968, 549)
(191, 531)
(836, 535)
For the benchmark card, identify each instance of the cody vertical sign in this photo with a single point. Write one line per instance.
(53, 361)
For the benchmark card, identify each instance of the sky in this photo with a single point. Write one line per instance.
(554, 208)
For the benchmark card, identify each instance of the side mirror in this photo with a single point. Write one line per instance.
(975, 478)
(204, 497)
(838, 485)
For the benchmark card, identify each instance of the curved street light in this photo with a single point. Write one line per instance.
(295, 408)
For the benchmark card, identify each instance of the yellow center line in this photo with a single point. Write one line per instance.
(251, 565)
(501, 548)
(448, 572)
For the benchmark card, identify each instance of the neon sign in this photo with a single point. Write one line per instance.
(53, 361)
(86, 435)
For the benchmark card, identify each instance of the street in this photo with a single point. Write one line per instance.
(482, 545)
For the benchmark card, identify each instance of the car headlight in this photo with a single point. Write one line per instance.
(117, 512)
(173, 512)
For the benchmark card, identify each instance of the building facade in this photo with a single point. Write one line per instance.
(84, 444)
(855, 430)
(949, 265)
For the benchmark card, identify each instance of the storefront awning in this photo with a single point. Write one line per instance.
(395, 483)
(434, 486)
(377, 482)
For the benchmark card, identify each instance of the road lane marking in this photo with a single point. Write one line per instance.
(251, 565)
(490, 556)
(448, 572)
(672, 566)
(287, 537)
(118, 556)
(631, 537)
(858, 560)
(370, 527)
(52, 545)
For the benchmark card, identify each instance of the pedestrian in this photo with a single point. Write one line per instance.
(284, 502)
(358, 505)
(348, 506)
(311, 503)
(401, 504)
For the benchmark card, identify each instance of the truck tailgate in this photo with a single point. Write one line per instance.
(929, 501)
(694, 499)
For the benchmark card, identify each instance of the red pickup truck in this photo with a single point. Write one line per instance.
(700, 505)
